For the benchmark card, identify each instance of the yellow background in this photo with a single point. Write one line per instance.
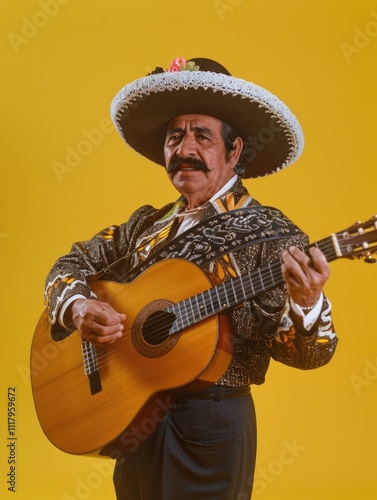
(62, 62)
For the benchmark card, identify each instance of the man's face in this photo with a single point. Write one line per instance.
(195, 157)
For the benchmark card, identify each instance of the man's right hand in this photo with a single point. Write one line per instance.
(97, 321)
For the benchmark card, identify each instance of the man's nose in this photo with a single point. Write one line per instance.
(187, 147)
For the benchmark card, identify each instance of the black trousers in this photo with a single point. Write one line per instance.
(204, 450)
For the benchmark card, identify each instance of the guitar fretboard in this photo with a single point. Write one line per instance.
(235, 291)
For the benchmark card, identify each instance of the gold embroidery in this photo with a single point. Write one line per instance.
(224, 266)
(145, 250)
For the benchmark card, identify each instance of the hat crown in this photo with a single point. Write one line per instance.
(209, 65)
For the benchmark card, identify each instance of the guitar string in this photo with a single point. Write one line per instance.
(271, 268)
(239, 288)
(267, 276)
(263, 275)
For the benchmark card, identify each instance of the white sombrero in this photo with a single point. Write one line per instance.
(142, 109)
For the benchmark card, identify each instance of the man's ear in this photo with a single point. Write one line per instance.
(235, 154)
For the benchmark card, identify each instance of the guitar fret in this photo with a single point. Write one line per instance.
(185, 318)
(250, 284)
(202, 306)
(265, 275)
(186, 315)
(260, 282)
(191, 314)
(271, 274)
(214, 304)
(219, 301)
(234, 292)
(244, 293)
(226, 303)
(197, 305)
(178, 324)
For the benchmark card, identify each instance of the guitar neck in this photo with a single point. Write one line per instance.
(231, 293)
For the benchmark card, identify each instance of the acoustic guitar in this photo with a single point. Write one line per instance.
(176, 338)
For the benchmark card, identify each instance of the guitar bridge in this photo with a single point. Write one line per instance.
(91, 366)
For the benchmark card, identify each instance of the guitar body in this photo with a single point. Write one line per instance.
(137, 373)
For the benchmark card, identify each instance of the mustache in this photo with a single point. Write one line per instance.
(176, 163)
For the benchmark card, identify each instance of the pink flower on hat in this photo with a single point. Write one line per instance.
(177, 64)
(180, 64)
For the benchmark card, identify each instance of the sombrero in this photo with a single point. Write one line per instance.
(142, 109)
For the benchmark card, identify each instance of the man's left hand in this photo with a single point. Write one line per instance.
(305, 274)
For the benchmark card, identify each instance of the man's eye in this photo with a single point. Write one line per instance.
(173, 138)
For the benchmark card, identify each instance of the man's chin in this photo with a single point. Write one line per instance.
(191, 179)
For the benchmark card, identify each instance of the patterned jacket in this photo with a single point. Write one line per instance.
(263, 327)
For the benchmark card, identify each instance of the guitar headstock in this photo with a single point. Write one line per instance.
(357, 241)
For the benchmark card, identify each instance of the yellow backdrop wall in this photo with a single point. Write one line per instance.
(62, 62)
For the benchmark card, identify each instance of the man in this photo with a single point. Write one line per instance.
(208, 129)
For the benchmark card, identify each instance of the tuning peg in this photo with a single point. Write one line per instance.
(369, 259)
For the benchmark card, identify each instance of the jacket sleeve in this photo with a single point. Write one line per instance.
(295, 346)
(70, 274)
(287, 340)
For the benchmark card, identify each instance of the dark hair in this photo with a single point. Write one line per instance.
(229, 135)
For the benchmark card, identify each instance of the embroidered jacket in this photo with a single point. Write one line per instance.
(263, 327)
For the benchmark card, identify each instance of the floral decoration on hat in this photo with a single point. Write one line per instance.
(180, 64)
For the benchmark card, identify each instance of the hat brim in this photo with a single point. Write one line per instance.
(142, 110)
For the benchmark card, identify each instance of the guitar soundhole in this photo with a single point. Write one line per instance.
(156, 328)
(150, 331)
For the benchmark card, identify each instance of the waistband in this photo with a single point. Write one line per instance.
(218, 392)
(214, 393)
